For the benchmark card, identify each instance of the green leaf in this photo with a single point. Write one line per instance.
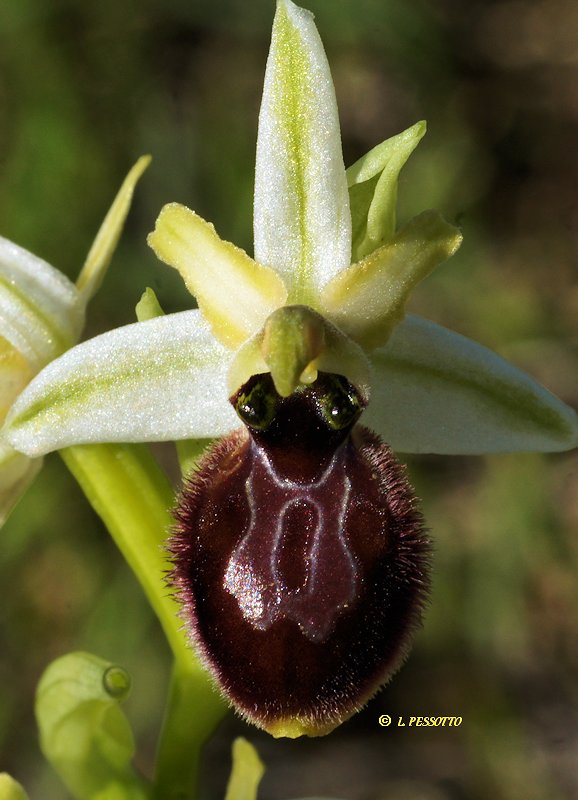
(246, 773)
(301, 215)
(434, 391)
(83, 732)
(372, 185)
(159, 380)
(11, 789)
(368, 299)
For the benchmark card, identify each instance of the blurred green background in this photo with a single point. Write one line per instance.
(87, 87)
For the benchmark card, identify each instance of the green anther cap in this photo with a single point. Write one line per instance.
(294, 336)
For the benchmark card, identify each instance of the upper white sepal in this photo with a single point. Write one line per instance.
(301, 217)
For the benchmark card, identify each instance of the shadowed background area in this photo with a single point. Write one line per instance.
(84, 90)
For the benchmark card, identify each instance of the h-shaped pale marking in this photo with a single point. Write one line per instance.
(252, 575)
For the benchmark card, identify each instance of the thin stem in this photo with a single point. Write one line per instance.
(191, 715)
(127, 489)
(129, 492)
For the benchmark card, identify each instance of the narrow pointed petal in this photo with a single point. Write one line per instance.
(106, 240)
(17, 472)
(41, 311)
(235, 294)
(158, 380)
(367, 300)
(373, 190)
(435, 391)
(301, 217)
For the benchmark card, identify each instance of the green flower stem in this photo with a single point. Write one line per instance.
(190, 717)
(131, 495)
(127, 489)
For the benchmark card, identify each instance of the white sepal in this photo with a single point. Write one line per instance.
(41, 311)
(158, 380)
(435, 391)
(301, 216)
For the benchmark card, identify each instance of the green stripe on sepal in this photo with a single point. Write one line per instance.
(159, 380)
(301, 215)
(372, 185)
(435, 391)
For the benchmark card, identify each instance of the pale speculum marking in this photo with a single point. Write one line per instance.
(311, 583)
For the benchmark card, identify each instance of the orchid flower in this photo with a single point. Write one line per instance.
(41, 316)
(299, 554)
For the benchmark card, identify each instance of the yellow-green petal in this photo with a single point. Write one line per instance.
(301, 216)
(434, 391)
(372, 185)
(235, 293)
(367, 300)
(106, 240)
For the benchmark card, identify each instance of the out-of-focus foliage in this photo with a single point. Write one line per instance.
(87, 87)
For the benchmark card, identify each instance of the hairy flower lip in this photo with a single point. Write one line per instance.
(327, 672)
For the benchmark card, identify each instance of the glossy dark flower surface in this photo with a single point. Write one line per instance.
(300, 557)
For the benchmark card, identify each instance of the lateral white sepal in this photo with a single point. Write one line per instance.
(435, 391)
(159, 380)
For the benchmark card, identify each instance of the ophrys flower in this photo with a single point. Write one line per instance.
(300, 556)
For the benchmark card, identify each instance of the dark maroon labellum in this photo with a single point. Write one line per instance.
(300, 558)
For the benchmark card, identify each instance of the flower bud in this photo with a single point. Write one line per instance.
(300, 558)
